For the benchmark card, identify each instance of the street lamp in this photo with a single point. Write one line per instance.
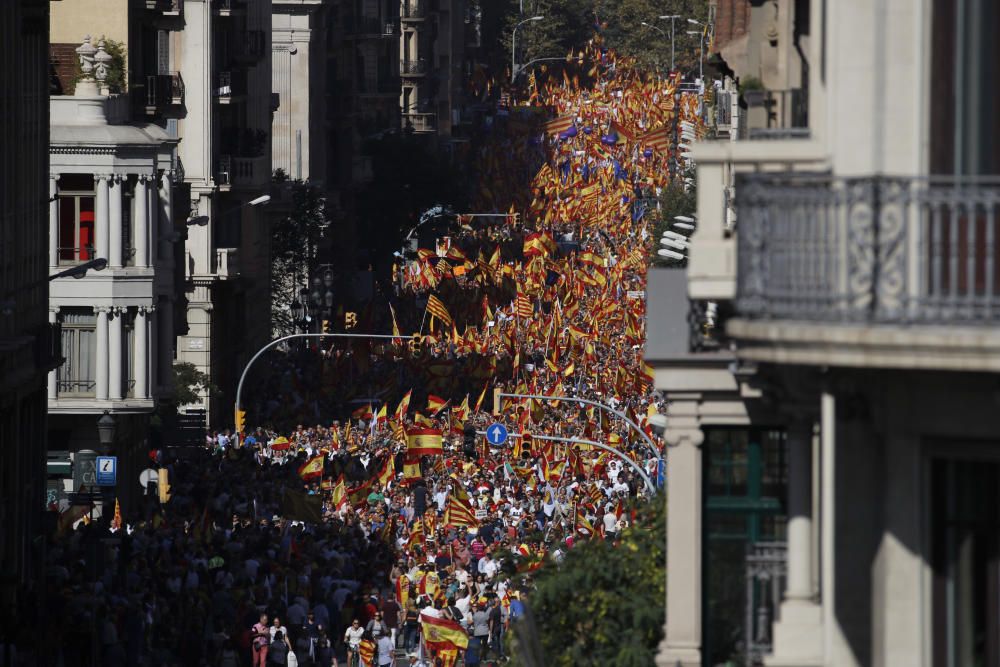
(672, 17)
(701, 50)
(106, 430)
(513, 43)
(202, 220)
(78, 271)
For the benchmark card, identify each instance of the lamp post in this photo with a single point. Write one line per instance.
(701, 50)
(660, 30)
(106, 428)
(672, 17)
(513, 44)
(319, 301)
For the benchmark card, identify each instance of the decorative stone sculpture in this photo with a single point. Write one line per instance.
(86, 86)
(102, 60)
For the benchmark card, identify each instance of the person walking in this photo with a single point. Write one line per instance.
(261, 635)
(386, 651)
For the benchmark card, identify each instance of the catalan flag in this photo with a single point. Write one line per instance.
(423, 442)
(458, 513)
(437, 308)
(367, 651)
(522, 306)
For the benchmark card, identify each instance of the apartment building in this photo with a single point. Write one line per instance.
(829, 353)
(223, 53)
(28, 343)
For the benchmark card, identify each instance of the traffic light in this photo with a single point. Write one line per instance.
(326, 326)
(163, 486)
(469, 441)
(415, 343)
(350, 320)
(241, 420)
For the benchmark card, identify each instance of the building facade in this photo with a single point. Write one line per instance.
(28, 343)
(832, 416)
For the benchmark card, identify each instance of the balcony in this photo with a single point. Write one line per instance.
(413, 67)
(413, 10)
(420, 123)
(163, 91)
(879, 271)
(230, 85)
(166, 7)
(229, 7)
(778, 114)
(227, 262)
(249, 172)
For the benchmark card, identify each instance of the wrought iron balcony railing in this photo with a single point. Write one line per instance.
(411, 67)
(413, 9)
(873, 249)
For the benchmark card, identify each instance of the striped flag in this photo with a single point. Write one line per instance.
(312, 469)
(367, 651)
(423, 442)
(458, 513)
(435, 404)
(522, 306)
(436, 308)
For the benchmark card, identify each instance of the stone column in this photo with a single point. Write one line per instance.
(681, 644)
(102, 226)
(115, 215)
(152, 357)
(141, 221)
(166, 214)
(117, 351)
(152, 214)
(53, 390)
(101, 358)
(141, 352)
(165, 342)
(798, 631)
(53, 220)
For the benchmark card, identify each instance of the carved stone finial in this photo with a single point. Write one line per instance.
(86, 52)
(102, 60)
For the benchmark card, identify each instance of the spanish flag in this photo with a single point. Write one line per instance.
(435, 404)
(402, 590)
(443, 634)
(404, 405)
(364, 412)
(388, 471)
(423, 442)
(411, 469)
(312, 469)
(339, 496)
(395, 326)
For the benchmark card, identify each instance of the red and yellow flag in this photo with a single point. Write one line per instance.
(312, 469)
(435, 404)
(423, 442)
(443, 634)
(367, 651)
(458, 513)
(436, 308)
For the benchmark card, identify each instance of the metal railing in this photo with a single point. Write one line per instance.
(413, 67)
(250, 170)
(230, 83)
(787, 113)
(413, 9)
(69, 255)
(84, 387)
(164, 89)
(870, 249)
(766, 571)
(223, 173)
(420, 122)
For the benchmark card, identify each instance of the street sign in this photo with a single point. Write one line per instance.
(107, 470)
(496, 434)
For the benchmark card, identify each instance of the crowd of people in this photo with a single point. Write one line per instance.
(381, 509)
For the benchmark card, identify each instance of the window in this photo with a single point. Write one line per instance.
(79, 346)
(965, 530)
(76, 218)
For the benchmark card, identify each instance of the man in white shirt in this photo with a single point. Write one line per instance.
(386, 651)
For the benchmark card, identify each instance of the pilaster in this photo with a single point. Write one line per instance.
(101, 357)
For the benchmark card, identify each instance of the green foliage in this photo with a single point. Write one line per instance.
(604, 604)
(748, 83)
(189, 384)
(568, 24)
(294, 240)
(675, 199)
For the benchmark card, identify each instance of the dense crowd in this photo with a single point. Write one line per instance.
(316, 536)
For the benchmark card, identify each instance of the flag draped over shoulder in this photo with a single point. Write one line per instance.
(443, 634)
(423, 442)
(367, 651)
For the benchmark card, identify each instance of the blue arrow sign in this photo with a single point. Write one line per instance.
(496, 434)
(107, 470)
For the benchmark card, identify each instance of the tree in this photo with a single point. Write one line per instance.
(603, 604)
(294, 240)
(189, 385)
